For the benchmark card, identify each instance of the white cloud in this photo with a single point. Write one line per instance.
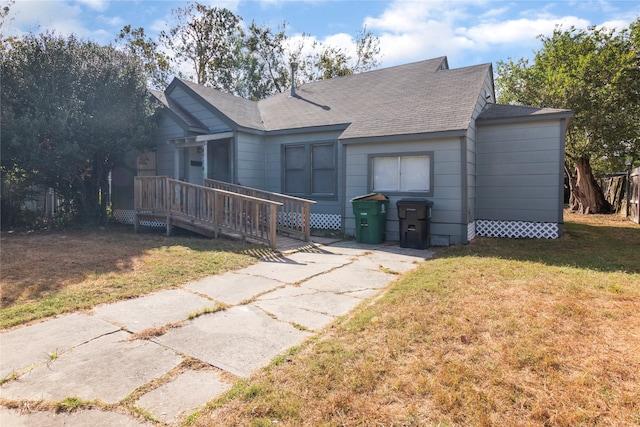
(411, 30)
(617, 24)
(341, 41)
(232, 5)
(159, 25)
(112, 21)
(37, 16)
(516, 31)
(99, 5)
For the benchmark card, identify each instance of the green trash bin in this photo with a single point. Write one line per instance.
(370, 211)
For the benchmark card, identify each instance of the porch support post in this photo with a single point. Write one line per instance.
(204, 162)
(176, 162)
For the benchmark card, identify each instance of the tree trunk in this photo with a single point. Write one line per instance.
(586, 195)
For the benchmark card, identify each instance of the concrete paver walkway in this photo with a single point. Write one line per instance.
(186, 361)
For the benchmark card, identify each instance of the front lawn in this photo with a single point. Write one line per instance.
(498, 332)
(53, 272)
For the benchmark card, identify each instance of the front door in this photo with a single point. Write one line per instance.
(219, 160)
(193, 165)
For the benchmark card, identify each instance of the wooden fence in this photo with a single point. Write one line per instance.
(294, 213)
(205, 210)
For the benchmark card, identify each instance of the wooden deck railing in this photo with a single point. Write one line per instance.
(204, 209)
(294, 214)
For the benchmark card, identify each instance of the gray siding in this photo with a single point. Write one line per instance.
(448, 222)
(486, 95)
(169, 129)
(250, 160)
(518, 173)
(199, 111)
(122, 185)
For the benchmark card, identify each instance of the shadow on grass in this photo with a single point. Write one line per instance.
(44, 263)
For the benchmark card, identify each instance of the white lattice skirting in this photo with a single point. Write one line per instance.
(124, 216)
(326, 221)
(517, 229)
(319, 221)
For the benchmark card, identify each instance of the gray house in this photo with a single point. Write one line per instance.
(416, 130)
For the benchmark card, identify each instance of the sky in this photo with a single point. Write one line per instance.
(468, 32)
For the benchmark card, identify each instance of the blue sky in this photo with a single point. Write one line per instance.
(467, 31)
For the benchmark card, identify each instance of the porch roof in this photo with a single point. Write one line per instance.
(199, 140)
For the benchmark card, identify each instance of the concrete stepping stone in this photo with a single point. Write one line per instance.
(238, 340)
(26, 347)
(311, 320)
(280, 301)
(233, 288)
(153, 310)
(108, 368)
(297, 267)
(173, 401)
(92, 417)
(399, 259)
(360, 275)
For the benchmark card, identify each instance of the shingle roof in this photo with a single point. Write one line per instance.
(407, 99)
(416, 98)
(241, 111)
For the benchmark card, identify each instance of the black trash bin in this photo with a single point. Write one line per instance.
(415, 222)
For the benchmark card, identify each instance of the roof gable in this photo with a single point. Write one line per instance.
(241, 112)
(180, 116)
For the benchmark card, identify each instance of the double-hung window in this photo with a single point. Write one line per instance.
(401, 173)
(310, 169)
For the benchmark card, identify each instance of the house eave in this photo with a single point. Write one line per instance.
(525, 118)
(198, 140)
(405, 137)
(310, 129)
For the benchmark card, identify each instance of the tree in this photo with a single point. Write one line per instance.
(157, 65)
(323, 61)
(255, 63)
(204, 36)
(266, 67)
(70, 111)
(4, 10)
(594, 72)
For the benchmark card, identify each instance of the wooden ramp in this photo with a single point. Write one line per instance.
(248, 215)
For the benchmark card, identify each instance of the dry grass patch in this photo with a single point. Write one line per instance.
(49, 273)
(498, 332)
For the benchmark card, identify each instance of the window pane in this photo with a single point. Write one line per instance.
(323, 165)
(294, 157)
(323, 156)
(323, 182)
(385, 174)
(294, 182)
(414, 173)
